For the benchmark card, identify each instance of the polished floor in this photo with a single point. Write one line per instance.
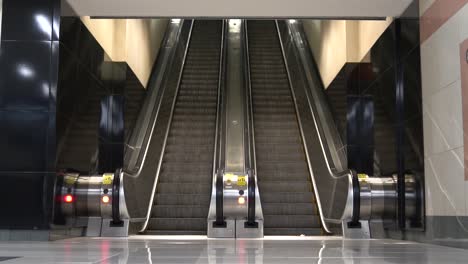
(191, 249)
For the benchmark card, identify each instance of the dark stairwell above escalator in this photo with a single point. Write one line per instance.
(77, 148)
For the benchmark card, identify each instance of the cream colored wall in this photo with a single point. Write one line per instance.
(135, 41)
(337, 42)
(369, 33)
(143, 40)
(444, 147)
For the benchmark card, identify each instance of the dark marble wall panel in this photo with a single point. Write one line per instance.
(360, 129)
(111, 133)
(377, 78)
(85, 79)
(79, 92)
(26, 71)
(28, 85)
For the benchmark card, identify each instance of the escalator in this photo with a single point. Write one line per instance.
(286, 191)
(291, 148)
(184, 185)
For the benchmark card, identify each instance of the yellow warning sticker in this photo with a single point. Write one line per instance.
(70, 180)
(107, 178)
(362, 176)
(241, 181)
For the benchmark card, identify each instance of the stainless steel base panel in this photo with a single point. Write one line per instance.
(93, 227)
(243, 232)
(109, 230)
(222, 232)
(362, 232)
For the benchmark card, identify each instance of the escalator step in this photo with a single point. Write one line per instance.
(184, 186)
(290, 208)
(179, 211)
(288, 197)
(292, 221)
(182, 199)
(177, 224)
(293, 231)
(284, 181)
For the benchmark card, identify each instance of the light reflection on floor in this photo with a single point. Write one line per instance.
(198, 249)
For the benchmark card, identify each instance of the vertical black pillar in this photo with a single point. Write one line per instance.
(400, 124)
(28, 85)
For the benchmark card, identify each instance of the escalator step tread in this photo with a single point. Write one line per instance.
(184, 188)
(290, 208)
(284, 180)
(293, 231)
(292, 221)
(182, 199)
(177, 224)
(179, 211)
(288, 197)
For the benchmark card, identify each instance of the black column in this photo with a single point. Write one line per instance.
(28, 85)
(400, 124)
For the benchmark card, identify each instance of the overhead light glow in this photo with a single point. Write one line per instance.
(44, 23)
(25, 71)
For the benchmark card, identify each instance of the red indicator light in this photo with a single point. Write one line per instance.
(105, 199)
(68, 198)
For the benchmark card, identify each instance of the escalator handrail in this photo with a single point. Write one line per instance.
(251, 197)
(345, 175)
(218, 156)
(250, 122)
(252, 160)
(166, 136)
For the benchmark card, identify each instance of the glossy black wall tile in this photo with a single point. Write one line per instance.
(79, 91)
(28, 84)
(26, 71)
(360, 130)
(412, 82)
(30, 20)
(377, 79)
(23, 139)
(111, 133)
(383, 52)
(24, 205)
(84, 80)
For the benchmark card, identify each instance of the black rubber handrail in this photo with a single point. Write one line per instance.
(218, 162)
(219, 201)
(251, 223)
(356, 203)
(116, 221)
(250, 135)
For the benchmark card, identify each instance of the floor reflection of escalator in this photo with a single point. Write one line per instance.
(284, 180)
(184, 186)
